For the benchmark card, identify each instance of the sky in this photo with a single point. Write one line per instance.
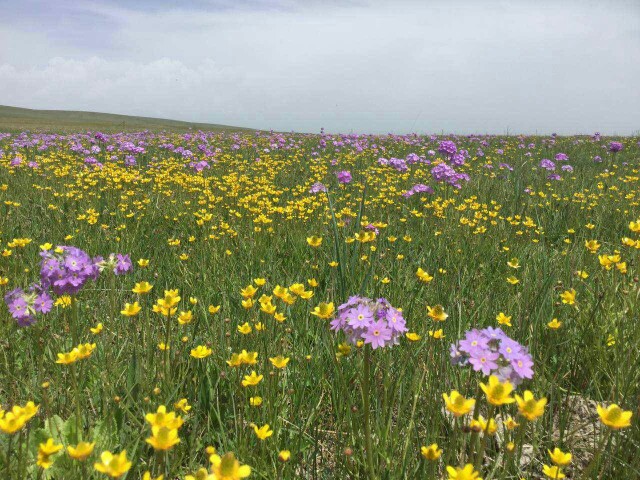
(364, 66)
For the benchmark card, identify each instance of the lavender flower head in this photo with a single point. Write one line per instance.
(66, 269)
(615, 147)
(492, 352)
(25, 305)
(375, 322)
(344, 176)
(447, 147)
(317, 188)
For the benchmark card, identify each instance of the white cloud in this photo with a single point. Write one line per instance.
(376, 68)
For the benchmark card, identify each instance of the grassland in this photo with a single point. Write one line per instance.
(250, 244)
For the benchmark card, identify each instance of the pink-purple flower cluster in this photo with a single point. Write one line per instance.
(615, 147)
(25, 305)
(375, 322)
(492, 352)
(66, 269)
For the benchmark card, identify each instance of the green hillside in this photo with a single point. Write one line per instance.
(18, 119)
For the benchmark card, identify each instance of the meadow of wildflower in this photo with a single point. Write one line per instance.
(266, 305)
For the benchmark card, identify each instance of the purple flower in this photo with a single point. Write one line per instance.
(66, 269)
(484, 361)
(24, 305)
(123, 264)
(492, 352)
(375, 322)
(344, 176)
(317, 188)
(377, 334)
(360, 317)
(615, 147)
(547, 164)
(447, 147)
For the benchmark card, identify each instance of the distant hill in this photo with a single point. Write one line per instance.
(18, 119)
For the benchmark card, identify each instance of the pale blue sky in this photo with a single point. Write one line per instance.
(364, 65)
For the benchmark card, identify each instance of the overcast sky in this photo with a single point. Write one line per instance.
(369, 66)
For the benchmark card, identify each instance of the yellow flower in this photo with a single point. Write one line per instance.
(432, 452)
(529, 407)
(97, 329)
(568, 296)
(131, 310)
(81, 451)
(201, 351)
(457, 404)
(514, 263)
(185, 318)
(513, 280)
(85, 350)
(554, 324)
(63, 301)
(228, 468)
(423, 276)
(463, 473)
(213, 309)
(560, 458)
(247, 303)
(147, 476)
(614, 417)
(249, 291)
(313, 283)
(244, 329)
(263, 432)
(481, 425)
(142, 288)
(279, 317)
(510, 423)
(113, 465)
(413, 337)
(46, 246)
(163, 419)
(284, 455)
(279, 361)
(163, 438)
(497, 392)
(592, 245)
(45, 452)
(259, 281)
(552, 472)
(68, 357)
(252, 380)
(268, 308)
(437, 334)
(255, 401)
(182, 405)
(437, 313)
(314, 241)
(504, 319)
(143, 262)
(324, 310)
(201, 474)
(582, 274)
